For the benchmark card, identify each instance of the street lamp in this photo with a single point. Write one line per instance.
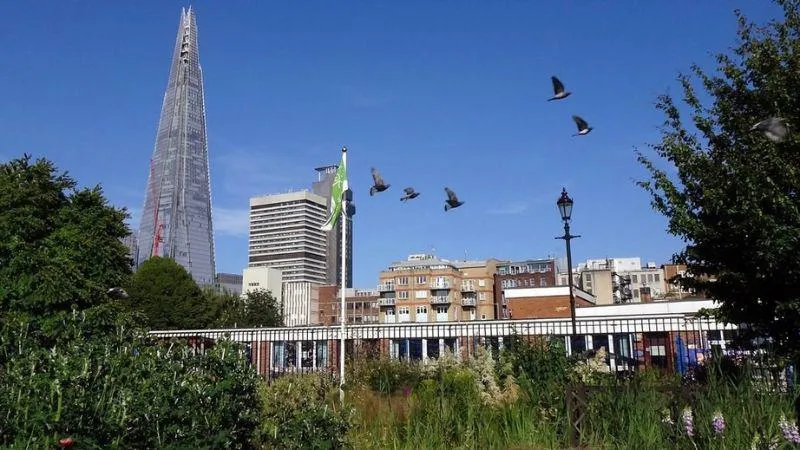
(564, 204)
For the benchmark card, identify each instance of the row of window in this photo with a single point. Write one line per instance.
(403, 295)
(528, 282)
(527, 268)
(422, 279)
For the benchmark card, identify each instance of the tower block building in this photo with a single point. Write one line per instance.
(176, 218)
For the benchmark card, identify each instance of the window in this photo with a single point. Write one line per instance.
(402, 280)
(440, 309)
(402, 295)
(635, 293)
(502, 270)
(421, 294)
(481, 296)
(481, 283)
(422, 314)
(483, 316)
(634, 278)
(656, 278)
(422, 279)
(588, 277)
(543, 282)
(650, 277)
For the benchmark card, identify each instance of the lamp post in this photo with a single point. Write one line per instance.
(564, 204)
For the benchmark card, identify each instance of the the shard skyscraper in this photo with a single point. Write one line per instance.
(176, 219)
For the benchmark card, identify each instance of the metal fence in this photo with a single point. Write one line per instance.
(672, 342)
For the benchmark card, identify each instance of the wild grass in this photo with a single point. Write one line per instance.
(519, 402)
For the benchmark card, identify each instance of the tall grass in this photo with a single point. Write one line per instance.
(519, 402)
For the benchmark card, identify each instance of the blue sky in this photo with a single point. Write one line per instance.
(434, 94)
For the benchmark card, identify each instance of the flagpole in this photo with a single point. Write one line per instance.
(343, 317)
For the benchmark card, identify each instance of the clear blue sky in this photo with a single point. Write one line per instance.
(432, 93)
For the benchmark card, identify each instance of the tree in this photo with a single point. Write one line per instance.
(167, 294)
(60, 246)
(262, 310)
(736, 199)
(256, 309)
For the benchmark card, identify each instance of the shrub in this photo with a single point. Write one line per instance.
(119, 392)
(296, 413)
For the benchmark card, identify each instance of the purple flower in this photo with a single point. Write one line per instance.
(789, 430)
(688, 421)
(718, 423)
(406, 391)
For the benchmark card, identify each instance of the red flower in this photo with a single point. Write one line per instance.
(66, 442)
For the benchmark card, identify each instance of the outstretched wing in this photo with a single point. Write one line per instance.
(582, 125)
(558, 86)
(376, 177)
(408, 190)
(451, 195)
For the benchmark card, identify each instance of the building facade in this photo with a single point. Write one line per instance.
(544, 302)
(425, 288)
(285, 234)
(300, 303)
(521, 274)
(322, 187)
(176, 217)
(361, 305)
(229, 283)
(131, 242)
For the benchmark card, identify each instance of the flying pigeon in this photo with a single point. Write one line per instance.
(410, 193)
(558, 90)
(452, 200)
(117, 292)
(774, 129)
(379, 185)
(583, 127)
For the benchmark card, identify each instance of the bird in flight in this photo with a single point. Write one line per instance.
(452, 200)
(583, 126)
(379, 185)
(559, 93)
(774, 129)
(410, 194)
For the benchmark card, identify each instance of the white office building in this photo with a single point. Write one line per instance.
(285, 235)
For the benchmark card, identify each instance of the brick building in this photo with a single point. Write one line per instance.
(425, 288)
(521, 274)
(361, 305)
(543, 302)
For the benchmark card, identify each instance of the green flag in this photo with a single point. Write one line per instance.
(339, 186)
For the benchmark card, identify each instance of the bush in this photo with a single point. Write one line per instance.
(298, 411)
(119, 391)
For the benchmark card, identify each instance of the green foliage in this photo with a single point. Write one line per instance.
(262, 310)
(735, 200)
(257, 309)
(386, 375)
(60, 246)
(298, 412)
(120, 391)
(446, 408)
(166, 294)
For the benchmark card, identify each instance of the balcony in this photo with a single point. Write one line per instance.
(468, 287)
(440, 284)
(386, 287)
(441, 300)
(469, 301)
(386, 301)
